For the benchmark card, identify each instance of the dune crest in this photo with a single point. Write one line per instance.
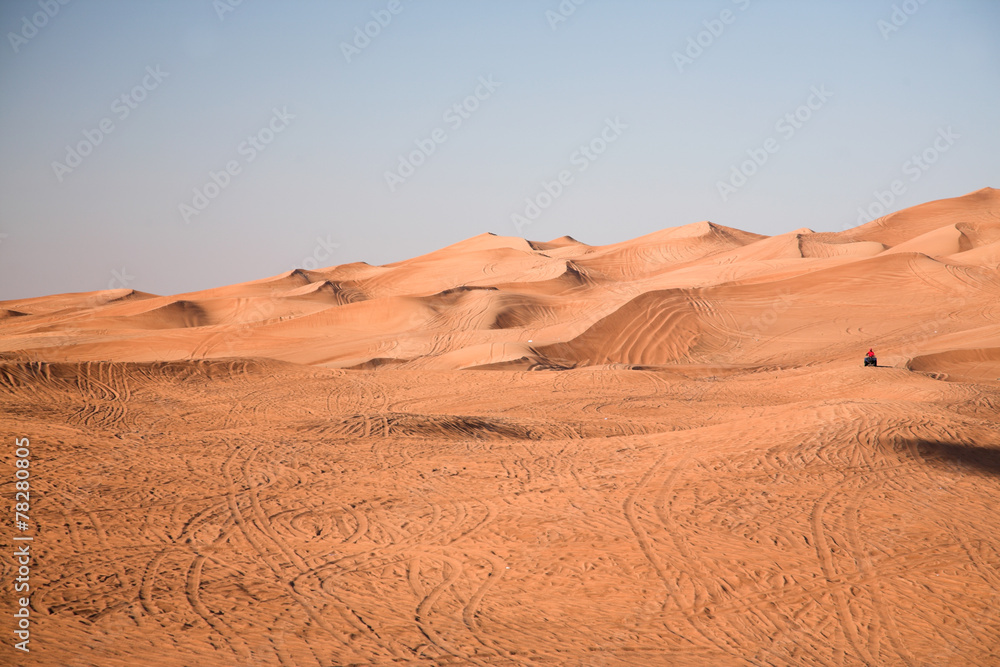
(744, 298)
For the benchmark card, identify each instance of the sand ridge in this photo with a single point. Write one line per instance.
(942, 255)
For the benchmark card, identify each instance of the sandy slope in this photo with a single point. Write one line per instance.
(664, 451)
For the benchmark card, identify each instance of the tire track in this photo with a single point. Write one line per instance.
(823, 552)
(267, 558)
(700, 602)
(452, 570)
(193, 592)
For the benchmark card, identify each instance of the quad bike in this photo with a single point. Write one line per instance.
(871, 361)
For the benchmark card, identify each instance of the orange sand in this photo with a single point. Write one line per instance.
(664, 451)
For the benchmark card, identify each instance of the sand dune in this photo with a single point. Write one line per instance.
(935, 254)
(655, 328)
(979, 207)
(812, 248)
(975, 364)
(663, 451)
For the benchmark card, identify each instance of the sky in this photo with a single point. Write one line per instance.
(176, 145)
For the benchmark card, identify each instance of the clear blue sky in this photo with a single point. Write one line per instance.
(329, 126)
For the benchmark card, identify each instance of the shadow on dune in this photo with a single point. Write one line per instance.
(958, 457)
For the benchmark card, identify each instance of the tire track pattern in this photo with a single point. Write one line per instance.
(312, 519)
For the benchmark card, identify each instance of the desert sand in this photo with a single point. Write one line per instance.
(664, 451)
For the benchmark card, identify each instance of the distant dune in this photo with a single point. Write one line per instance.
(701, 293)
(664, 451)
